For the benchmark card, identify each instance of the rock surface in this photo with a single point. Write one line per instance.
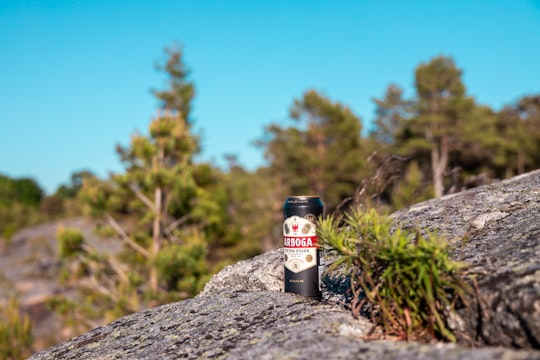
(496, 229)
(243, 313)
(29, 268)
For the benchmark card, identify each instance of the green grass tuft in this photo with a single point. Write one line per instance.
(403, 281)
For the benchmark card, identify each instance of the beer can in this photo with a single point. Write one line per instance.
(302, 255)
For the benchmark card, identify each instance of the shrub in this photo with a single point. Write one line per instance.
(15, 332)
(70, 242)
(403, 281)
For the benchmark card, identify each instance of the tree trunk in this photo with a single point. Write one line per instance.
(156, 225)
(156, 238)
(439, 162)
(520, 162)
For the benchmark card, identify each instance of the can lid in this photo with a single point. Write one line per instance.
(303, 197)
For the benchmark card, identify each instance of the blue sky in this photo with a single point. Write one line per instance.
(75, 76)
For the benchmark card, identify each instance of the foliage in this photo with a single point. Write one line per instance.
(391, 113)
(441, 110)
(252, 209)
(24, 191)
(411, 188)
(17, 216)
(65, 201)
(15, 332)
(105, 289)
(180, 92)
(71, 190)
(70, 312)
(19, 200)
(168, 212)
(519, 129)
(454, 142)
(180, 220)
(23, 203)
(322, 153)
(183, 266)
(404, 282)
(70, 242)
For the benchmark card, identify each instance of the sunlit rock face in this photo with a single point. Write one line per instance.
(243, 312)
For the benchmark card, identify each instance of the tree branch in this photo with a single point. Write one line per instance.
(176, 223)
(142, 197)
(117, 269)
(125, 237)
(112, 262)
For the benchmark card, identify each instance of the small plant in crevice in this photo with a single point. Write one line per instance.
(403, 281)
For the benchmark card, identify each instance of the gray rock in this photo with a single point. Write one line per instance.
(496, 229)
(251, 325)
(243, 313)
(262, 273)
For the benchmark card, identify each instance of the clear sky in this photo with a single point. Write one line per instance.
(75, 76)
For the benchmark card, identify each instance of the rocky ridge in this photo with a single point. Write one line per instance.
(243, 313)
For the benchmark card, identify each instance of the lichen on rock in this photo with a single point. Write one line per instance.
(243, 312)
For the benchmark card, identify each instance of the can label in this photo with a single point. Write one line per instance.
(300, 244)
(303, 260)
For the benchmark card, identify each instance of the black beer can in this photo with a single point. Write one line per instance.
(302, 255)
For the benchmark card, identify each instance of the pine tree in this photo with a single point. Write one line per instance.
(323, 154)
(163, 209)
(441, 111)
(392, 112)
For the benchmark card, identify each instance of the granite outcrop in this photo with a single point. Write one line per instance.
(243, 312)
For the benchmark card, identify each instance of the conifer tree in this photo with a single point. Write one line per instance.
(441, 111)
(323, 154)
(162, 209)
(392, 112)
